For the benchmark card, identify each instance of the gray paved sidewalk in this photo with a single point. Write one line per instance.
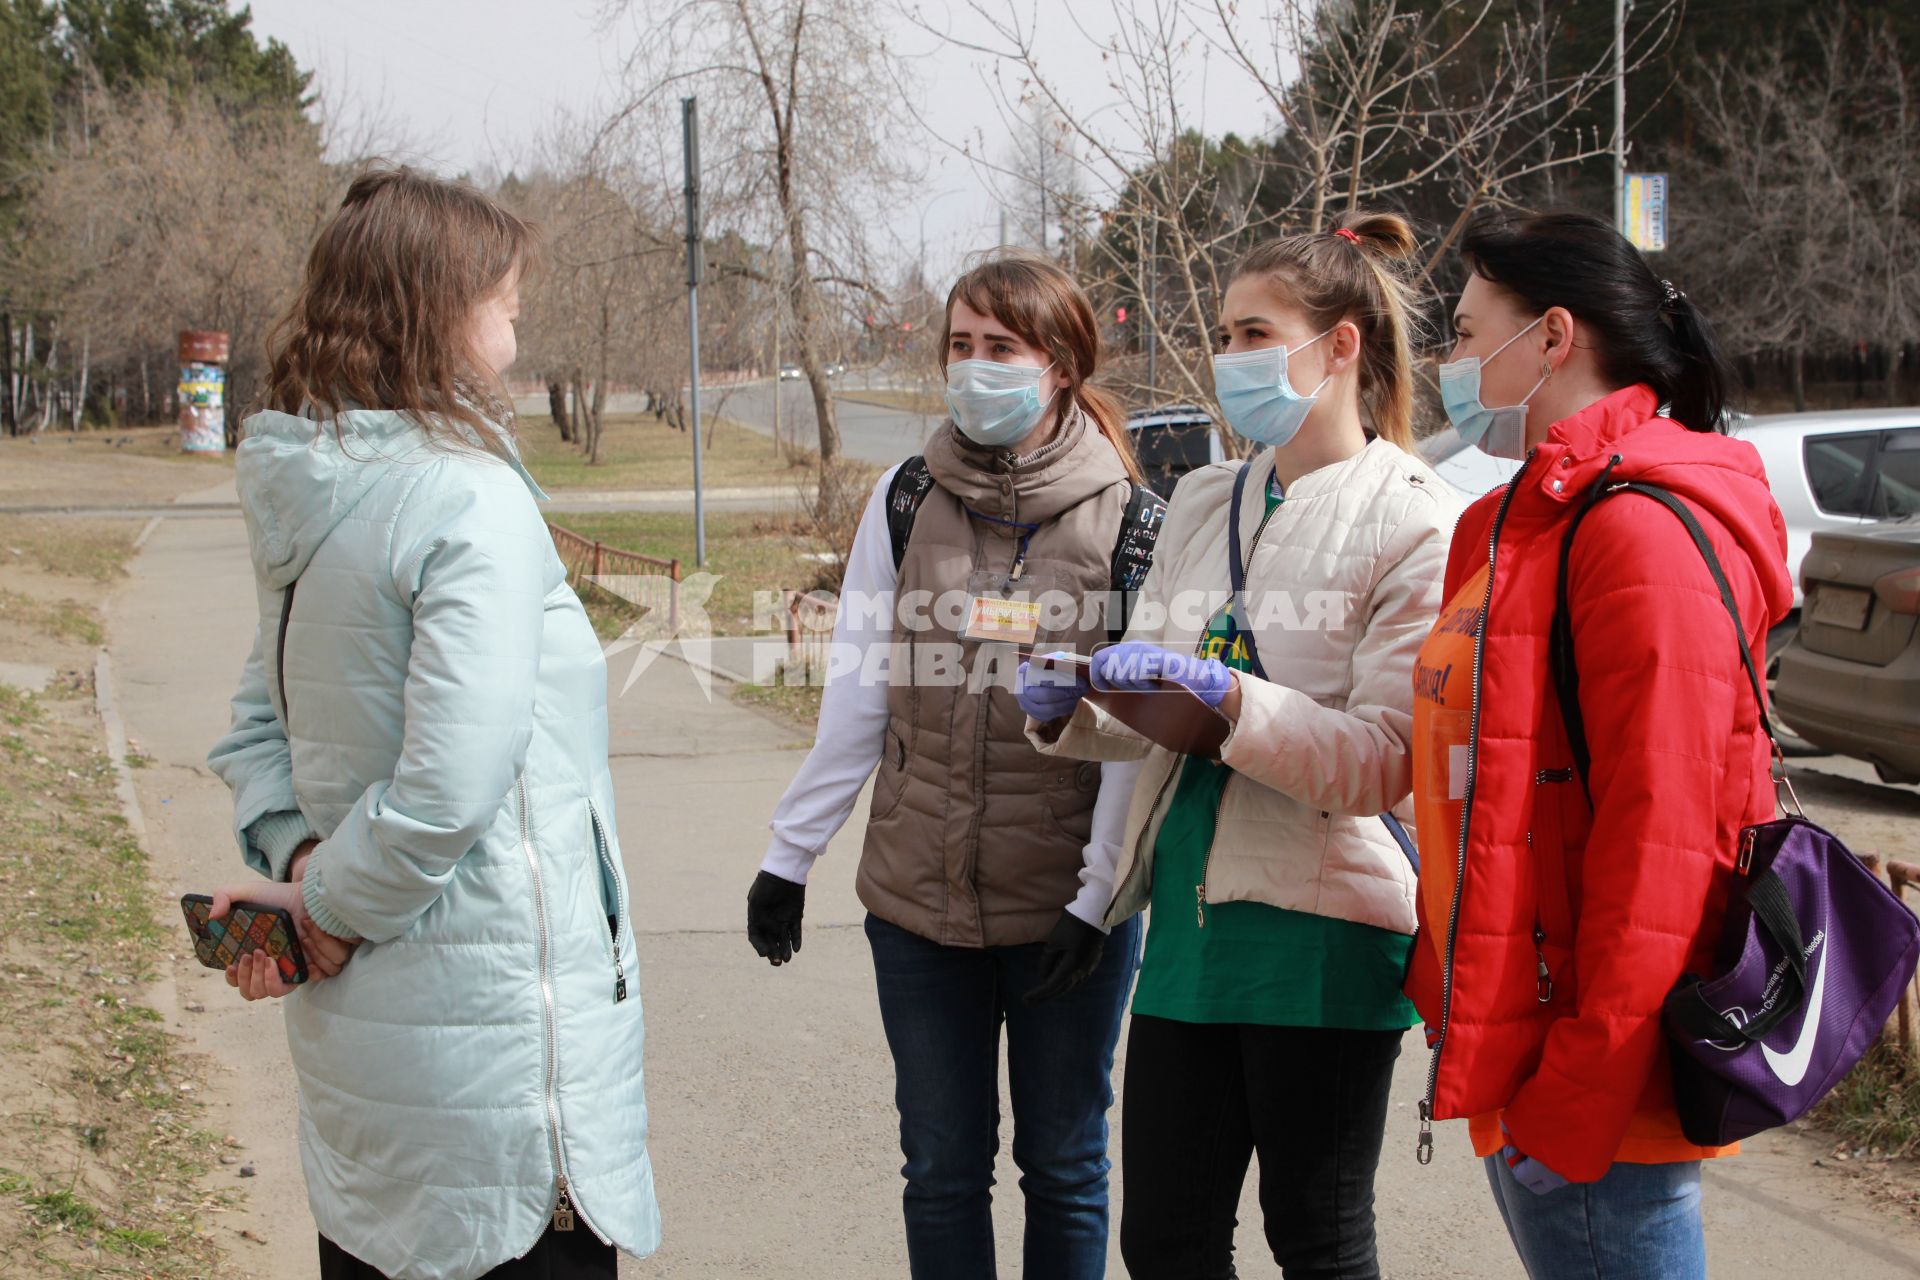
(774, 1132)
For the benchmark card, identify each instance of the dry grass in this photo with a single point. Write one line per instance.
(68, 621)
(96, 550)
(1876, 1109)
(746, 553)
(101, 1145)
(798, 704)
(133, 467)
(101, 1149)
(638, 452)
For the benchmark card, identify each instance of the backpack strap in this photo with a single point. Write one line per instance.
(1237, 569)
(911, 484)
(1132, 554)
(280, 650)
(1133, 550)
(1560, 655)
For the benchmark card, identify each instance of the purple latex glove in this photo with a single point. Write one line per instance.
(1048, 693)
(1527, 1171)
(1135, 665)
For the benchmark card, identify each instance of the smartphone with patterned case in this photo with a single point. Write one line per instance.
(247, 926)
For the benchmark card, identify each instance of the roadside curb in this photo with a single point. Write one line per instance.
(135, 510)
(882, 404)
(592, 497)
(107, 708)
(706, 666)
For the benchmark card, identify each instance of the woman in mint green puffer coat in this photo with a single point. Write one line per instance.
(430, 706)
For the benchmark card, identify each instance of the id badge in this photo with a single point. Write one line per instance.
(994, 620)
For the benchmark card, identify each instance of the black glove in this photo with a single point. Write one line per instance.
(774, 908)
(1072, 951)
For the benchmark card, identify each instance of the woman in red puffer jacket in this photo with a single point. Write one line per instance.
(1551, 930)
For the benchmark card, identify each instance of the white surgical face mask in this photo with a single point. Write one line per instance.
(995, 404)
(1501, 432)
(1258, 398)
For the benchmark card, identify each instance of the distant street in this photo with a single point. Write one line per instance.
(868, 432)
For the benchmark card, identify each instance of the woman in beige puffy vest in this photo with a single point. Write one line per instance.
(987, 867)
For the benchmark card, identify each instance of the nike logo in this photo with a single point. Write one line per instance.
(1791, 1067)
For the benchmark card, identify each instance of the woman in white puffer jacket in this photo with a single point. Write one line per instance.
(1268, 1014)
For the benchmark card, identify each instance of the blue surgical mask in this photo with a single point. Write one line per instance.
(1257, 396)
(1500, 432)
(995, 404)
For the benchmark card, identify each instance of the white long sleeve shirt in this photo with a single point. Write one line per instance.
(853, 726)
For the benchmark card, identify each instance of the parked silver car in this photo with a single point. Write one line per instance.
(1463, 466)
(1850, 681)
(1823, 468)
(1832, 471)
(1826, 470)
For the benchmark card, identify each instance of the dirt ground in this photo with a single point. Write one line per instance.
(104, 1149)
(134, 466)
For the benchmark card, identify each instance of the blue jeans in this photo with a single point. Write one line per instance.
(943, 1008)
(1639, 1222)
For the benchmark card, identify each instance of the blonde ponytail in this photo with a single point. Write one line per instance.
(1356, 271)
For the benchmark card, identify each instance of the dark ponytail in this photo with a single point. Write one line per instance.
(1647, 330)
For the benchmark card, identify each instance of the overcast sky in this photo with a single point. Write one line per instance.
(471, 83)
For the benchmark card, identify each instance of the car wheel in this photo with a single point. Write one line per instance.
(1791, 743)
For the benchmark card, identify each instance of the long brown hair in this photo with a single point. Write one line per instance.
(1032, 296)
(382, 315)
(1358, 276)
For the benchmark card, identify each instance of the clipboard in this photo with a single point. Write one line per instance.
(1169, 716)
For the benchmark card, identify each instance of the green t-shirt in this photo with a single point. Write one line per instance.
(1247, 961)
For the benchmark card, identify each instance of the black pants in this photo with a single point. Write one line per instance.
(1201, 1099)
(557, 1255)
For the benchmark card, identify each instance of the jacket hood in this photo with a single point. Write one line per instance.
(298, 478)
(1076, 464)
(1718, 473)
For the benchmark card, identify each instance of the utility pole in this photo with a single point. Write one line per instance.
(690, 143)
(1546, 142)
(1620, 114)
(1147, 316)
(779, 303)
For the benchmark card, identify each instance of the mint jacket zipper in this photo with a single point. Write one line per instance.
(613, 927)
(564, 1209)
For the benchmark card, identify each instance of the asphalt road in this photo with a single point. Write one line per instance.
(869, 432)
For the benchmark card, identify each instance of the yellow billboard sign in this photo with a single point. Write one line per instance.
(1645, 217)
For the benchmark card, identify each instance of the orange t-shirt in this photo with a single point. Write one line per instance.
(1442, 728)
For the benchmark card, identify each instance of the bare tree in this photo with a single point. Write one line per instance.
(1372, 102)
(1048, 190)
(161, 210)
(1799, 230)
(598, 310)
(801, 98)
